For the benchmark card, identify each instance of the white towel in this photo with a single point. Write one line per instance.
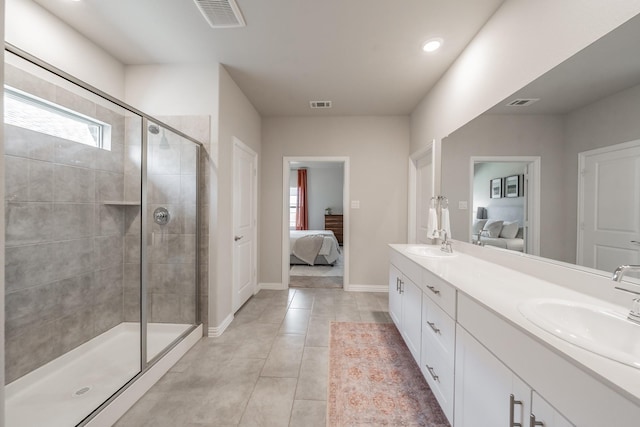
(432, 224)
(446, 225)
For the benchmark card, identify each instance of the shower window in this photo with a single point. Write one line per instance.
(30, 112)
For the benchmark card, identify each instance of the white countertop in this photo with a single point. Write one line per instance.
(501, 289)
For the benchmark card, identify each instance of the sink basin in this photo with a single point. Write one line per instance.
(601, 330)
(428, 251)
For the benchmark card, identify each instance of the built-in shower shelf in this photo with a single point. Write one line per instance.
(121, 203)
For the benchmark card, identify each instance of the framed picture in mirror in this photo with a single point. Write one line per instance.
(496, 188)
(512, 186)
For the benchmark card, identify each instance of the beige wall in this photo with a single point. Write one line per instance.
(238, 118)
(558, 140)
(36, 31)
(523, 40)
(2, 219)
(499, 135)
(612, 120)
(378, 151)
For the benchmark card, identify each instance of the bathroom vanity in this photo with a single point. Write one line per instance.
(493, 342)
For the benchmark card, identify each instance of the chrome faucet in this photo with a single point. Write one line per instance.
(618, 274)
(445, 246)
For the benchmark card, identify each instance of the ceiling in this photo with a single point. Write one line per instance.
(363, 55)
(609, 65)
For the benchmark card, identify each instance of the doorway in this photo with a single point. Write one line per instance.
(245, 202)
(505, 195)
(609, 206)
(315, 249)
(424, 183)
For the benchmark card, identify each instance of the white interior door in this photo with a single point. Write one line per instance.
(245, 163)
(424, 192)
(609, 211)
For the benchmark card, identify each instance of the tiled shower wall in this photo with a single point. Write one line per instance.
(73, 261)
(199, 128)
(64, 247)
(171, 179)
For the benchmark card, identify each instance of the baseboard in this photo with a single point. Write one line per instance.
(216, 331)
(272, 286)
(367, 288)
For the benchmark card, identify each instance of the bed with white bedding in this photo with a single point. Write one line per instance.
(312, 247)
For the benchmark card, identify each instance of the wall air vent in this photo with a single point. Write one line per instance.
(221, 13)
(522, 102)
(320, 104)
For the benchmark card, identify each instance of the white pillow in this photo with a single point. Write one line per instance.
(478, 225)
(509, 230)
(492, 228)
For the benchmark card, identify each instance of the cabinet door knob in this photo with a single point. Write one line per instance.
(512, 403)
(533, 422)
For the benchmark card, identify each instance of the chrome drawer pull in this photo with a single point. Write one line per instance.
(512, 403)
(402, 286)
(533, 422)
(433, 289)
(397, 284)
(433, 327)
(433, 373)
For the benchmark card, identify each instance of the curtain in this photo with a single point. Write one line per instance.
(302, 214)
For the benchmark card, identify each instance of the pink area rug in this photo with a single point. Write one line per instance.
(374, 381)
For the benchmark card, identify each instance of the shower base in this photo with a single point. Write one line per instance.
(64, 391)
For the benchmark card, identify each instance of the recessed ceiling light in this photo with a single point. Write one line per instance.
(432, 45)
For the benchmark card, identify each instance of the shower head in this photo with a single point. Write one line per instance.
(154, 129)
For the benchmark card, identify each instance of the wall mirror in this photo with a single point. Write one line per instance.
(582, 121)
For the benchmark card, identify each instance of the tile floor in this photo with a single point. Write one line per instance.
(268, 369)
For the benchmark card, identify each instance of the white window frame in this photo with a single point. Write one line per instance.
(98, 133)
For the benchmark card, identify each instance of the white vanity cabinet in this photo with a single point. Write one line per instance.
(563, 394)
(489, 394)
(438, 352)
(485, 366)
(543, 412)
(405, 304)
(438, 339)
(484, 387)
(395, 296)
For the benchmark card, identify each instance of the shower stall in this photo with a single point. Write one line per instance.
(102, 245)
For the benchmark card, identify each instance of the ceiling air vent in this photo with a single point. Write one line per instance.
(221, 13)
(320, 104)
(522, 102)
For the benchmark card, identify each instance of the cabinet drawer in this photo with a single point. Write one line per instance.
(440, 292)
(437, 368)
(439, 326)
(409, 268)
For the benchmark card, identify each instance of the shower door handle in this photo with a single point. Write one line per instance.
(236, 238)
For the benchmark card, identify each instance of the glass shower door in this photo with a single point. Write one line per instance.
(171, 183)
(72, 273)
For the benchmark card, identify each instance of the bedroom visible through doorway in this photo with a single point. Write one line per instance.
(316, 224)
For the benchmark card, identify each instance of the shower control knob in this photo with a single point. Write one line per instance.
(161, 216)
